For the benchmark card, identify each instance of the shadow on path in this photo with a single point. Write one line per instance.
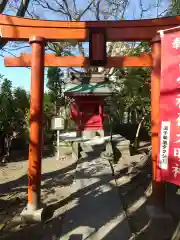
(91, 194)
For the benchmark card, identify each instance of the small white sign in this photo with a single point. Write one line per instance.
(57, 123)
(164, 145)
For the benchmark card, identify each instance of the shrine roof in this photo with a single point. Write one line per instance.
(97, 89)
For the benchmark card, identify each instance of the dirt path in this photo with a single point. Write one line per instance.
(57, 176)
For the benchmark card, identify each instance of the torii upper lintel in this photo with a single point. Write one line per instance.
(21, 29)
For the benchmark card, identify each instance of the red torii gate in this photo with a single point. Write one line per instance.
(38, 32)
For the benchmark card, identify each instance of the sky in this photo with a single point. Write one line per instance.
(20, 77)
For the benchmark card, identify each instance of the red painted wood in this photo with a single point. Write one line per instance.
(36, 122)
(87, 113)
(144, 60)
(20, 29)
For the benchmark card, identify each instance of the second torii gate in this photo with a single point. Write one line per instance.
(97, 33)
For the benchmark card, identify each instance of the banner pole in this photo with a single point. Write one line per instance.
(158, 188)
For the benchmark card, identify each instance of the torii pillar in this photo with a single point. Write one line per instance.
(33, 211)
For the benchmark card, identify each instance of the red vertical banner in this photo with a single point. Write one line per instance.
(168, 168)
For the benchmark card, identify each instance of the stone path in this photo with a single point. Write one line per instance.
(96, 213)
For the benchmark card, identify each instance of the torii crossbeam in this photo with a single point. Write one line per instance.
(51, 60)
(38, 32)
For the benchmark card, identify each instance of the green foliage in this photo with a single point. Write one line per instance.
(174, 9)
(53, 99)
(21, 105)
(13, 107)
(48, 114)
(54, 84)
(7, 112)
(133, 91)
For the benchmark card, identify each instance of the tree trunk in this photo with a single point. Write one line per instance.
(2, 145)
(7, 147)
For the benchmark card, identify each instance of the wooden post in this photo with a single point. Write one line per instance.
(36, 122)
(97, 47)
(158, 188)
(57, 145)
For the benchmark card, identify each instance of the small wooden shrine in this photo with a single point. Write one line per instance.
(87, 109)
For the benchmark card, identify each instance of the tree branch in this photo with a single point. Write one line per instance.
(20, 13)
(81, 49)
(86, 9)
(3, 5)
(67, 9)
(98, 10)
(23, 8)
(75, 7)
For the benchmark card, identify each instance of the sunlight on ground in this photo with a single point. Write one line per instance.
(85, 231)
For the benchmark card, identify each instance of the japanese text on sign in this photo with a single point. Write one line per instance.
(164, 146)
(168, 167)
